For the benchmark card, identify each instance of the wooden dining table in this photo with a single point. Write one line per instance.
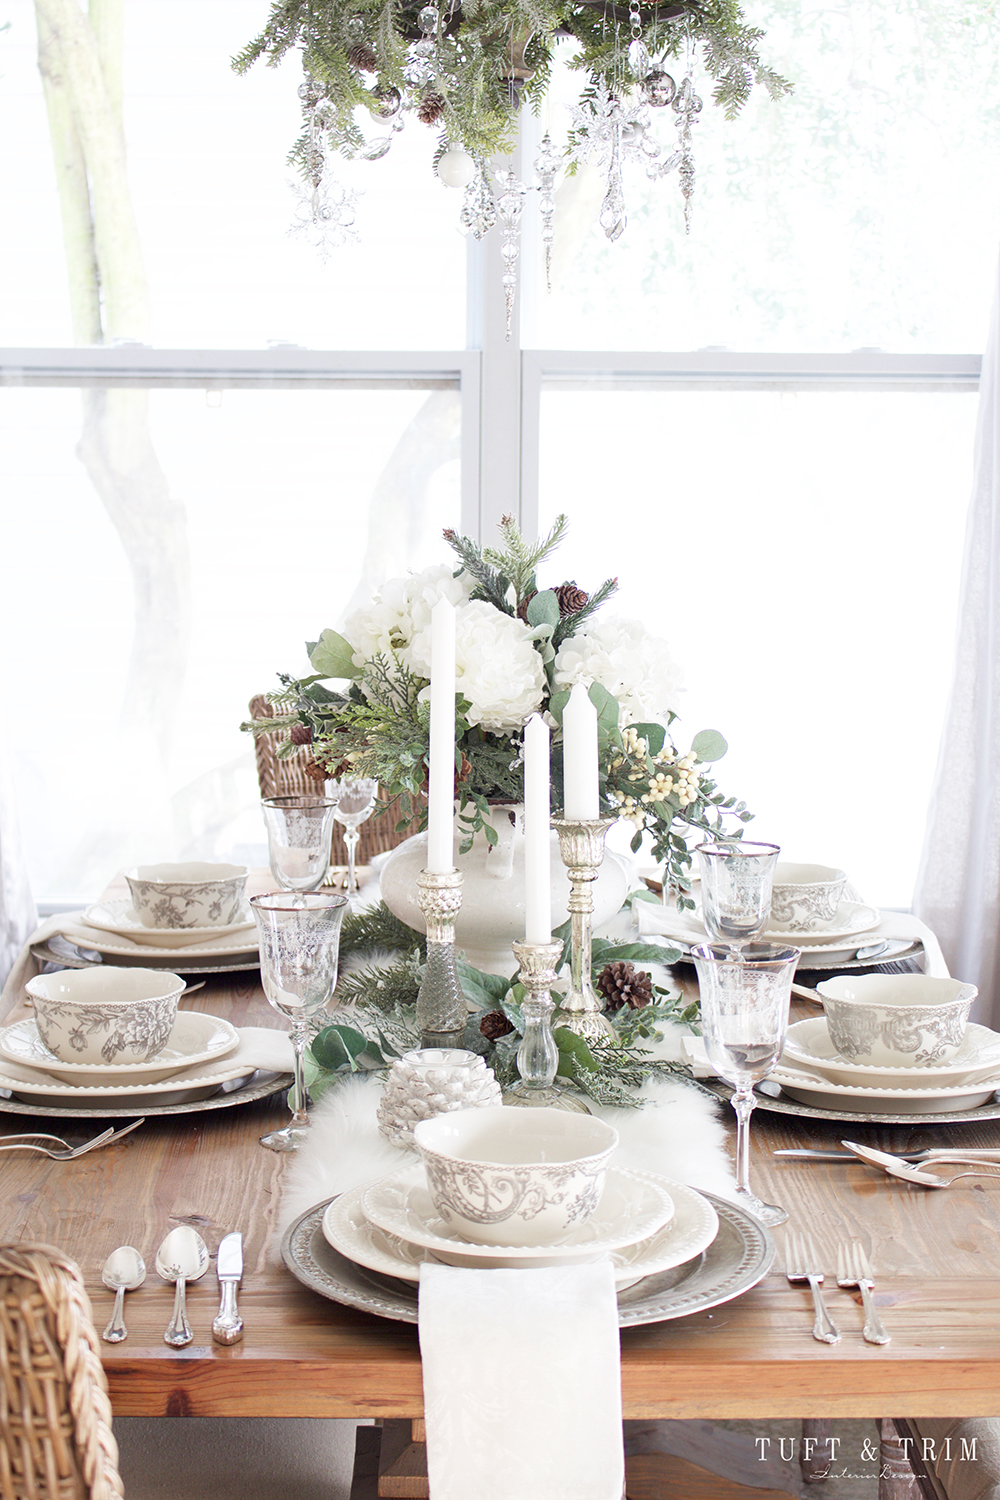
(936, 1256)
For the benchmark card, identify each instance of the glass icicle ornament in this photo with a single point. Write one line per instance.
(326, 210)
(479, 209)
(547, 164)
(509, 207)
(687, 107)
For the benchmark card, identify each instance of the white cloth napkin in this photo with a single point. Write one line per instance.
(529, 1406)
(263, 1047)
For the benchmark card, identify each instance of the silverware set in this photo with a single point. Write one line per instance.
(977, 1159)
(60, 1150)
(182, 1257)
(804, 1263)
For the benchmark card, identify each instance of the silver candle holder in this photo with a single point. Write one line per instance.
(441, 1007)
(581, 845)
(538, 1055)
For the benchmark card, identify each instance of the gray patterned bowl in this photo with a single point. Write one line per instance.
(105, 1015)
(896, 1020)
(505, 1176)
(195, 894)
(805, 898)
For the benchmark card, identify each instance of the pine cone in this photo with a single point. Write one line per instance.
(362, 57)
(430, 109)
(522, 608)
(300, 734)
(315, 771)
(495, 1025)
(571, 599)
(620, 985)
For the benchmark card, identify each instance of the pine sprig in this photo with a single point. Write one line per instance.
(570, 624)
(386, 988)
(492, 585)
(519, 560)
(378, 927)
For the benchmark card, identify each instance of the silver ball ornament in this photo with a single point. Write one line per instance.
(659, 89)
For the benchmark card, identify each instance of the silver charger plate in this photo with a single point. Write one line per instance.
(70, 956)
(740, 1255)
(258, 1085)
(785, 1106)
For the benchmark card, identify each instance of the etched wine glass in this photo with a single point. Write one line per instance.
(299, 834)
(355, 802)
(744, 1016)
(299, 936)
(736, 880)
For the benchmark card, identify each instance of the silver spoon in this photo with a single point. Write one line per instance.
(182, 1257)
(124, 1270)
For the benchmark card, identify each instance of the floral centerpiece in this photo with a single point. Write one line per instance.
(521, 645)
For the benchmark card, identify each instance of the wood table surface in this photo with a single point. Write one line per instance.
(936, 1254)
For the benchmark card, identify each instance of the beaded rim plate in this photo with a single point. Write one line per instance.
(72, 957)
(783, 1104)
(808, 1045)
(737, 1259)
(692, 1227)
(245, 1090)
(120, 917)
(196, 1038)
(632, 1207)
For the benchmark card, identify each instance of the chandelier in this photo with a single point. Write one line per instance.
(464, 67)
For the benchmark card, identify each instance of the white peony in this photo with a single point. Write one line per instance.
(634, 666)
(496, 665)
(401, 610)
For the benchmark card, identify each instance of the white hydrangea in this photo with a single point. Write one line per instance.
(401, 610)
(496, 664)
(634, 666)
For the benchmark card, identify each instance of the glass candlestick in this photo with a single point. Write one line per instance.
(581, 844)
(441, 1007)
(538, 1055)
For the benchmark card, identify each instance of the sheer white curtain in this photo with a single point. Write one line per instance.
(17, 909)
(958, 884)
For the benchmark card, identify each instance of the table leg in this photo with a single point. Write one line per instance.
(896, 1478)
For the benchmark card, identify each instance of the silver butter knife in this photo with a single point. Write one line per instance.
(934, 1153)
(228, 1326)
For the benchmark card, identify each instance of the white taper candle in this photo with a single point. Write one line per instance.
(537, 842)
(580, 794)
(441, 770)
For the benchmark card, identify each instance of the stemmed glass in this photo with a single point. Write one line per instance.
(355, 803)
(744, 1014)
(736, 880)
(299, 934)
(299, 834)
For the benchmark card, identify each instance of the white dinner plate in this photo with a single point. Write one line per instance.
(632, 1207)
(691, 1229)
(852, 919)
(119, 917)
(80, 932)
(191, 1083)
(195, 1039)
(809, 1089)
(809, 1045)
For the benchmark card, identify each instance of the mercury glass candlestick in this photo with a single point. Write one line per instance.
(538, 1055)
(441, 1007)
(581, 844)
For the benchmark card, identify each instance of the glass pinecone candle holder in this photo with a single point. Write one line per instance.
(433, 1081)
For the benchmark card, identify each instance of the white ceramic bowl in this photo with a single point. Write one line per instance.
(195, 894)
(506, 1176)
(805, 898)
(896, 1020)
(105, 1015)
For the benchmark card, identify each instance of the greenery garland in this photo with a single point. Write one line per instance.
(382, 1000)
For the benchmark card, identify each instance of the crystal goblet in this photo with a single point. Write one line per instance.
(736, 880)
(299, 934)
(744, 1015)
(355, 802)
(299, 833)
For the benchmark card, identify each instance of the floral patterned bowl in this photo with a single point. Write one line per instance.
(105, 1015)
(896, 1020)
(195, 894)
(506, 1176)
(805, 898)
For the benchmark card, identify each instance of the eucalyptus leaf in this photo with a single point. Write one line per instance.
(709, 745)
(543, 609)
(339, 1046)
(653, 734)
(332, 656)
(573, 1048)
(557, 704)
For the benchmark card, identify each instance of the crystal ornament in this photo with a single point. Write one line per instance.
(420, 69)
(509, 206)
(428, 18)
(639, 61)
(479, 209)
(385, 102)
(326, 210)
(687, 107)
(659, 88)
(547, 164)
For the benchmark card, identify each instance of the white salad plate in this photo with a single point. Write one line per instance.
(809, 1045)
(691, 1228)
(190, 1083)
(86, 936)
(853, 918)
(807, 1088)
(632, 1207)
(195, 1039)
(120, 918)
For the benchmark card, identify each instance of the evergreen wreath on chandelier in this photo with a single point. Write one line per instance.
(463, 68)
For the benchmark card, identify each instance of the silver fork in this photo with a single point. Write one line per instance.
(854, 1269)
(32, 1142)
(802, 1264)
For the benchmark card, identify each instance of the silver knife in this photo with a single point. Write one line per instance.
(228, 1326)
(937, 1153)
